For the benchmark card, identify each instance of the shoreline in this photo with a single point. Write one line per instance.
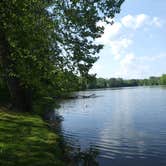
(26, 139)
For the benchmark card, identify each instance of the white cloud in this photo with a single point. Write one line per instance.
(110, 32)
(113, 39)
(157, 22)
(132, 66)
(140, 20)
(118, 39)
(134, 22)
(127, 60)
(119, 47)
(96, 68)
(153, 58)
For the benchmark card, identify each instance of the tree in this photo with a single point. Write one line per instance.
(154, 81)
(41, 38)
(101, 83)
(163, 79)
(25, 47)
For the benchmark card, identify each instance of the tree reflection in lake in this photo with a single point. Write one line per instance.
(85, 158)
(76, 156)
(126, 125)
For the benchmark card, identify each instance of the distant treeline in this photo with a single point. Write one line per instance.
(119, 82)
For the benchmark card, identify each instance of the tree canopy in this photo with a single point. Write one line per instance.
(163, 79)
(47, 43)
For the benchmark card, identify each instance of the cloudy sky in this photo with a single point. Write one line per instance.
(135, 45)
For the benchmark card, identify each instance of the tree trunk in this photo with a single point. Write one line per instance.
(21, 97)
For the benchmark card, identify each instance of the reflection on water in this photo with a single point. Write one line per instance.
(127, 126)
(85, 158)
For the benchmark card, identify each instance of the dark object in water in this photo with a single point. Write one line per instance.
(81, 96)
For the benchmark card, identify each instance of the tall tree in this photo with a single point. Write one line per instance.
(39, 39)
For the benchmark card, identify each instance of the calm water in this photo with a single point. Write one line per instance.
(127, 126)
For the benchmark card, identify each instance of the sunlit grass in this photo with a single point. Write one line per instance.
(25, 140)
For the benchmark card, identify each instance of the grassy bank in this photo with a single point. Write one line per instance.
(26, 140)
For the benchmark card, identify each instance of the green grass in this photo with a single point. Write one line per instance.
(26, 140)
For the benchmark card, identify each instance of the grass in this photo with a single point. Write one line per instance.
(26, 140)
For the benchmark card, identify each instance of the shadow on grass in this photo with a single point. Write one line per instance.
(25, 140)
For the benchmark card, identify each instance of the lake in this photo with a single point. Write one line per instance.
(127, 126)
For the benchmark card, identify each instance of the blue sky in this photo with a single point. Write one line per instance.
(135, 45)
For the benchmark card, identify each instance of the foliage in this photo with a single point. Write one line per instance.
(163, 79)
(119, 82)
(86, 157)
(45, 44)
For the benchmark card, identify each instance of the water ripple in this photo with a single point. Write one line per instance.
(126, 126)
